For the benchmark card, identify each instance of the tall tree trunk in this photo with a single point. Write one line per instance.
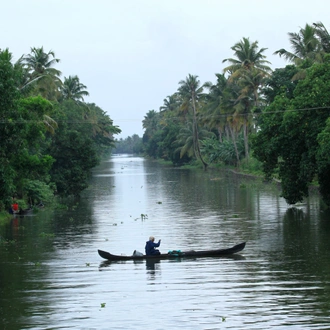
(220, 133)
(227, 131)
(235, 145)
(195, 134)
(246, 139)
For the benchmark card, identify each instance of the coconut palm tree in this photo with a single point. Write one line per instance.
(247, 56)
(247, 71)
(223, 110)
(191, 91)
(251, 81)
(185, 140)
(234, 107)
(213, 115)
(42, 73)
(22, 84)
(323, 36)
(171, 103)
(150, 123)
(73, 89)
(22, 73)
(41, 63)
(101, 124)
(304, 44)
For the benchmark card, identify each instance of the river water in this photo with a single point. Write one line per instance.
(51, 276)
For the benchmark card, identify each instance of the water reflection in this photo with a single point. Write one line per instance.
(295, 213)
(153, 269)
(52, 277)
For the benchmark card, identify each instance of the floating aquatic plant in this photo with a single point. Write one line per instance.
(144, 216)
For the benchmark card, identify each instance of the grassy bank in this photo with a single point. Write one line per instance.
(5, 217)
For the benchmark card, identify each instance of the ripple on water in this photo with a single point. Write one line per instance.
(280, 280)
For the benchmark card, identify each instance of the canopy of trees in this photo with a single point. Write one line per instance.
(50, 138)
(278, 119)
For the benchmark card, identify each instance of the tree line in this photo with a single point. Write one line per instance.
(50, 138)
(277, 119)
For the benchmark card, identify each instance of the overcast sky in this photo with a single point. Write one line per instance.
(131, 54)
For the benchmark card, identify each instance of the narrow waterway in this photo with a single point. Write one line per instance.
(51, 276)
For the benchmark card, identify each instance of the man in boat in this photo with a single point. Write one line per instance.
(151, 245)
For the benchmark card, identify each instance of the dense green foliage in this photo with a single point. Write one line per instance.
(9, 131)
(288, 140)
(50, 138)
(279, 118)
(130, 145)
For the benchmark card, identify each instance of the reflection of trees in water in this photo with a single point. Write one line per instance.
(304, 240)
(294, 213)
(298, 231)
(304, 257)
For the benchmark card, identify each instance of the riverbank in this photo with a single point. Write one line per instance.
(251, 169)
(5, 217)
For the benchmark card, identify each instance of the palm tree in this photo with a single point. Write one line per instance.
(170, 103)
(248, 56)
(305, 45)
(233, 107)
(323, 36)
(251, 80)
(23, 76)
(150, 123)
(73, 89)
(185, 140)
(101, 124)
(224, 110)
(21, 72)
(26, 83)
(247, 70)
(49, 123)
(191, 91)
(42, 63)
(213, 114)
(40, 67)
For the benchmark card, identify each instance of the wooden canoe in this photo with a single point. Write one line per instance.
(188, 254)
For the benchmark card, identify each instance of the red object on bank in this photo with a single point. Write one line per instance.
(15, 207)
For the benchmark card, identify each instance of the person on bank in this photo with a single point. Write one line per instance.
(151, 245)
(15, 207)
